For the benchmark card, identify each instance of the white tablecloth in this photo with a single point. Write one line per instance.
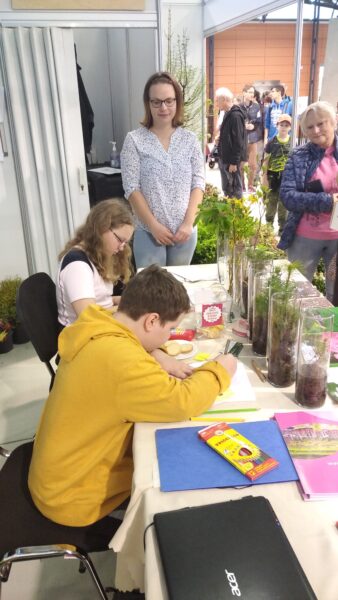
(310, 526)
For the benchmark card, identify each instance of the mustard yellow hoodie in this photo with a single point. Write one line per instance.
(106, 381)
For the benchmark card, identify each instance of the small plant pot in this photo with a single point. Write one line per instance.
(20, 335)
(7, 344)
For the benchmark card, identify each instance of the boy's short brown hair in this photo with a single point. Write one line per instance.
(154, 290)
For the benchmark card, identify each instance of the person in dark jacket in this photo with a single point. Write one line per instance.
(309, 182)
(232, 143)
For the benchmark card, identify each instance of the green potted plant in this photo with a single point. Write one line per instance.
(8, 312)
(283, 331)
(6, 337)
(229, 221)
(272, 283)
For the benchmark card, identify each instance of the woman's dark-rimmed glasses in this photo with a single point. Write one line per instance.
(157, 103)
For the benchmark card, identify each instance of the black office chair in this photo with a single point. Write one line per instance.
(37, 309)
(25, 534)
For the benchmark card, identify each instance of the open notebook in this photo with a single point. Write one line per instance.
(240, 394)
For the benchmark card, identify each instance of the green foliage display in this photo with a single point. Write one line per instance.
(230, 217)
(319, 278)
(226, 217)
(8, 291)
(205, 252)
(277, 283)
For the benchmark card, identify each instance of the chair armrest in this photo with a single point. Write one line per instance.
(4, 452)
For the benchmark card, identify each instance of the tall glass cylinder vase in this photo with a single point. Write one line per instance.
(255, 266)
(260, 312)
(244, 285)
(313, 356)
(282, 338)
(223, 263)
(238, 257)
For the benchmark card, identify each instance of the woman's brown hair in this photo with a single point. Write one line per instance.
(163, 77)
(103, 216)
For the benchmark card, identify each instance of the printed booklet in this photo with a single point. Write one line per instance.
(312, 440)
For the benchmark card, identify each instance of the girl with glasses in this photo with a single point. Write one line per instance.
(163, 177)
(95, 260)
(96, 264)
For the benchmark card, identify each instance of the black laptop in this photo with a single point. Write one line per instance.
(230, 550)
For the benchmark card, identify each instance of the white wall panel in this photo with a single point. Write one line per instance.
(13, 259)
(92, 56)
(115, 65)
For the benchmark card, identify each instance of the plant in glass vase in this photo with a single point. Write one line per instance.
(283, 329)
(267, 283)
(231, 222)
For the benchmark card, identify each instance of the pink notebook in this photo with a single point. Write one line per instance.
(312, 441)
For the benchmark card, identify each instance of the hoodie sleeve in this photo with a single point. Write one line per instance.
(153, 395)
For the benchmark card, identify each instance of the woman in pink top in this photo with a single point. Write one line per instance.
(309, 182)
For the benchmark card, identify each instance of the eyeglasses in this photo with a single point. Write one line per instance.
(156, 102)
(119, 240)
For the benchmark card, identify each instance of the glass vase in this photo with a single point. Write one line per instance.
(223, 263)
(282, 338)
(243, 305)
(313, 356)
(260, 311)
(255, 266)
(238, 258)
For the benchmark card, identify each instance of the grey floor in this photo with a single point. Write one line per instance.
(24, 383)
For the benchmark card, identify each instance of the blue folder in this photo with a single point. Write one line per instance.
(188, 463)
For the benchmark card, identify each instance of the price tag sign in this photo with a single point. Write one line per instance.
(212, 314)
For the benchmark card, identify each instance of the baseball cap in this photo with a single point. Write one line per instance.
(284, 117)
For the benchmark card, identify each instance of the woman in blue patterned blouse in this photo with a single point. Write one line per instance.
(163, 177)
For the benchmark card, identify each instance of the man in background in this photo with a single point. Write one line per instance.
(232, 147)
(280, 104)
(252, 125)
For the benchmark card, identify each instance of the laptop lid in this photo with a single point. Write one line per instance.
(229, 550)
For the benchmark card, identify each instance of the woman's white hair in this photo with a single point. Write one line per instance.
(321, 108)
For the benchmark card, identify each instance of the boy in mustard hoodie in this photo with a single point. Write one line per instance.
(82, 466)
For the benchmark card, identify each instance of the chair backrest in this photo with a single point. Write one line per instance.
(37, 309)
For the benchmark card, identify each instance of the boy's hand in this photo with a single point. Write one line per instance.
(229, 363)
(174, 367)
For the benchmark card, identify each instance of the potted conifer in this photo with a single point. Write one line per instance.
(8, 312)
